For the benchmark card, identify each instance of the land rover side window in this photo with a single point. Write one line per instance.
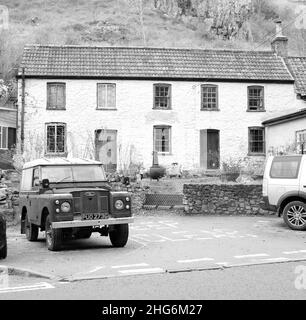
(285, 167)
(35, 180)
(27, 175)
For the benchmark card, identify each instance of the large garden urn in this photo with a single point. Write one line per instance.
(156, 171)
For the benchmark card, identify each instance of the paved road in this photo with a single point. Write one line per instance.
(270, 281)
(163, 245)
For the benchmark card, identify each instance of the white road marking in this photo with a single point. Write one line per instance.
(139, 242)
(252, 235)
(95, 269)
(195, 260)
(275, 259)
(178, 232)
(131, 265)
(137, 271)
(263, 221)
(222, 263)
(169, 239)
(144, 237)
(38, 286)
(204, 238)
(293, 252)
(252, 255)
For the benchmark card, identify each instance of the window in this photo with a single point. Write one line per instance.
(209, 97)
(301, 141)
(256, 98)
(162, 137)
(56, 138)
(106, 96)
(56, 96)
(285, 167)
(256, 140)
(3, 137)
(162, 96)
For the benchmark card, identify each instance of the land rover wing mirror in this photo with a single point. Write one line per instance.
(45, 183)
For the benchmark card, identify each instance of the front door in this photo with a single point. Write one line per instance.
(106, 148)
(209, 149)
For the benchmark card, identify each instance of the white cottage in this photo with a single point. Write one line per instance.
(118, 104)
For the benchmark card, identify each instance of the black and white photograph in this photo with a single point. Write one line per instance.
(152, 150)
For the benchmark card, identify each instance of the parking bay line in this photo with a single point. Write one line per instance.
(38, 286)
(252, 255)
(195, 260)
(294, 252)
(131, 265)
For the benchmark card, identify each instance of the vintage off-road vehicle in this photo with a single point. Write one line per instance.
(70, 199)
(3, 241)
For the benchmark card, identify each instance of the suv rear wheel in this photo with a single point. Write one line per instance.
(53, 236)
(294, 215)
(31, 230)
(119, 234)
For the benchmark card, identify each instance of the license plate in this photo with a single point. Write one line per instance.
(93, 216)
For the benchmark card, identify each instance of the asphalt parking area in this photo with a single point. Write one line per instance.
(158, 244)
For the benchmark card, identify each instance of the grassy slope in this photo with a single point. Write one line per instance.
(101, 22)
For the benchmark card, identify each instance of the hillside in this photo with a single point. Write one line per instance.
(138, 23)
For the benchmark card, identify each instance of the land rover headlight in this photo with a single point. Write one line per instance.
(119, 205)
(65, 206)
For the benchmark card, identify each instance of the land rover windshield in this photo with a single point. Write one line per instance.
(76, 173)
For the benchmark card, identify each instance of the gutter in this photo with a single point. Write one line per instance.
(285, 118)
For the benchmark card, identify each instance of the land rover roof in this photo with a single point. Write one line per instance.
(59, 161)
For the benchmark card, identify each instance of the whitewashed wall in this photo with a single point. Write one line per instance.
(134, 118)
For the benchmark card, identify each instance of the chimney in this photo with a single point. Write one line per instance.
(280, 42)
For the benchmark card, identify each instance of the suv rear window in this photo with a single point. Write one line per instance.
(285, 167)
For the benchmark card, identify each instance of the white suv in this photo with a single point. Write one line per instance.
(284, 188)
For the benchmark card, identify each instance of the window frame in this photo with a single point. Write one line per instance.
(250, 153)
(262, 109)
(1, 138)
(202, 97)
(56, 124)
(169, 99)
(298, 142)
(49, 84)
(170, 139)
(115, 102)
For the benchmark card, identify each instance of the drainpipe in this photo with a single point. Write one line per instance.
(22, 110)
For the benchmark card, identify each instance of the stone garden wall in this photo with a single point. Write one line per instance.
(226, 199)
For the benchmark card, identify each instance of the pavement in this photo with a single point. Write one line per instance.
(158, 244)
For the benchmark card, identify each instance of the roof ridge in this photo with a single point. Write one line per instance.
(146, 48)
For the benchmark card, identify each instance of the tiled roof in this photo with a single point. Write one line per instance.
(153, 63)
(297, 66)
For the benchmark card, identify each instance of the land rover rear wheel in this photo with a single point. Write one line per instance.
(31, 230)
(53, 236)
(119, 234)
(294, 215)
(3, 251)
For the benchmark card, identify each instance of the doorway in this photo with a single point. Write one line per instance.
(210, 149)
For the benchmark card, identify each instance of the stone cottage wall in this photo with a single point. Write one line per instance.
(235, 199)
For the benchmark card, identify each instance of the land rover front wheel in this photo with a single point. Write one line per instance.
(119, 234)
(294, 215)
(53, 236)
(31, 230)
